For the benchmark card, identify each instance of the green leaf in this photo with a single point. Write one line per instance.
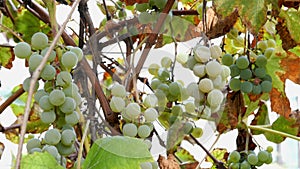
(175, 134)
(164, 119)
(292, 18)
(225, 7)
(117, 152)
(219, 153)
(261, 118)
(6, 57)
(296, 50)
(251, 106)
(17, 109)
(184, 156)
(39, 161)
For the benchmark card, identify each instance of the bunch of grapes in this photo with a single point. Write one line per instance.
(248, 160)
(60, 97)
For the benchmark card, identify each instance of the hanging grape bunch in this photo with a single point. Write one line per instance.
(60, 97)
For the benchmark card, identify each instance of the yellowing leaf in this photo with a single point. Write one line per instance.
(39, 161)
(292, 18)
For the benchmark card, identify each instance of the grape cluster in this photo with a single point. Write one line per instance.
(248, 160)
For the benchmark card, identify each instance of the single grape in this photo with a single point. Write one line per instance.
(166, 62)
(199, 70)
(245, 165)
(271, 43)
(63, 79)
(261, 61)
(235, 84)
(153, 69)
(267, 78)
(218, 82)
(117, 104)
(246, 74)
(68, 137)
(33, 143)
(133, 110)
(175, 88)
(163, 74)
(201, 53)
(34, 61)
(234, 166)
(155, 83)
(150, 114)
(26, 84)
(246, 87)
(182, 58)
(197, 132)
(266, 86)
(242, 62)
(35, 150)
(65, 150)
(52, 137)
(215, 97)
(188, 127)
(260, 72)
(78, 52)
(71, 90)
(72, 118)
(234, 70)
(263, 156)
(130, 130)
(45, 104)
(213, 69)
(143, 131)
(77, 98)
(262, 45)
(48, 117)
(48, 73)
(57, 97)
(52, 54)
(268, 52)
(270, 149)
(69, 59)
(225, 72)
(256, 89)
(252, 159)
(193, 90)
(190, 63)
(206, 85)
(68, 106)
(146, 165)
(164, 87)
(234, 156)
(39, 94)
(39, 40)
(22, 50)
(51, 150)
(150, 100)
(270, 159)
(190, 107)
(216, 51)
(227, 59)
(118, 90)
(142, 7)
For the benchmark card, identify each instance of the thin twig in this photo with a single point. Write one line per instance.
(33, 81)
(81, 144)
(11, 99)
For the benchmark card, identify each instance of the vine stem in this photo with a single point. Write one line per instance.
(11, 99)
(33, 81)
(262, 128)
(81, 143)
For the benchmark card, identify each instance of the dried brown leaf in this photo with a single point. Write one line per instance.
(169, 163)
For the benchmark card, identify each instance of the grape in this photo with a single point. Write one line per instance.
(263, 156)
(35, 150)
(218, 82)
(148, 143)
(242, 62)
(63, 79)
(162, 99)
(267, 78)
(52, 137)
(213, 69)
(197, 132)
(130, 130)
(48, 117)
(215, 97)
(246, 74)
(33, 143)
(270, 149)
(234, 166)
(39, 94)
(69, 59)
(150, 114)
(191, 62)
(260, 72)
(182, 58)
(188, 127)
(68, 106)
(57, 97)
(270, 159)
(256, 89)
(65, 150)
(215, 51)
(72, 118)
(133, 110)
(155, 83)
(34, 61)
(118, 90)
(68, 137)
(39, 40)
(235, 84)
(175, 88)
(234, 156)
(48, 73)
(163, 74)
(146, 165)
(26, 85)
(142, 7)
(177, 110)
(52, 54)
(51, 150)
(78, 52)
(77, 98)
(145, 18)
(206, 85)
(22, 50)
(193, 90)
(266, 86)
(153, 69)
(234, 70)
(225, 72)
(204, 111)
(143, 131)
(233, 33)
(166, 62)
(71, 90)
(199, 70)
(245, 165)
(150, 100)
(164, 87)
(268, 52)
(227, 59)
(246, 87)
(48, 86)
(261, 61)
(271, 43)
(252, 159)
(117, 104)
(160, 3)
(201, 53)
(262, 45)
(190, 107)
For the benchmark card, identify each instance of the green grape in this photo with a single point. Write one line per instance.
(48, 73)
(256, 89)
(216, 51)
(34, 61)
(266, 86)
(234, 166)
(201, 53)
(130, 129)
(155, 83)
(191, 62)
(270, 159)
(246, 87)
(77, 98)
(262, 45)
(268, 52)
(260, 72)
(175, 88)
(246, 74)
(51, 150)
(39, 94)
(162, 99)
(48, 86)
(166, 62)
(182, 58)
(177, 110)
(35, 150)
(270, 149)
(225, 72)
(63, 79)
(242, 62)
(78, 52)
(233, 33)
(150, 114)
(190, 107)
(26, 84)
(234, 156)
(160, 3)
(33, 143)
(197, 132)
(215, 97)
(142, 7)
(259, 163)
(153, 69)
(52, 54)
(48, 117)
(267, 78)
(206, 85)
(146, 165)
(238, 41)
(145, 18)
(39, 40)
(199, 70)
(143, 131)
(193, 90)
(252, 159)
(45, 103)
(22, 50)
(215, 108)
(150, 100)
(263, 156)
(261, 61)
(57, 97)
(183, 94)
(69, 59)
(71, 90)
(133, 110)
(271, 43)
(245, 165)
(227, 59)
(164, 87)
(72, 118)
(65, 150)
(117, 104)
(188, 127)
(235, 84)
(163, 74)
(68, 137)
(52, 137)
(118, 90)
(68, 106)
(234, 70)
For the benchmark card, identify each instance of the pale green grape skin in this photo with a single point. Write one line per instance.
(234, 166)
(246, 87)
(188, 127)
(268, 52)
(72, 118)
(68, 106)
(153, 69)
(130, 130)
(68, 137)
(191, 62)
(216, 51)
(246, 74)
(163, 74)
(39, 40)
(133, 110)
(34, 61)
(263, 156)
(252, 159)
(234, 156)
(39, 94)
(215, 97)
(78, 53)
(206, 85)
(197, 132)
(270, 159)
(175, 88)
(52, 137)
(117, 104)
(199, 70)
(48, 117)
(242, 62)
(193, 90)
(65, 150)
(118, 90)
(26, 85)
(164, 87)
(48, 73)
(235, 84)
(201, 53)
(71, 90)
(22, 50)
(190, 107)
(57, 97)
(261, 61)
(234, 70)
(51, 150)
(148, 143)
(45, 103)
(69, 59)
(63, 79)
(77, 98)
(266, 86)
(218, 82)
(182, 58)
(155, 83)
(262, 45)
(146, 165)
(52, 54)
(166, 62)
(271, 43)
(269, 149)
(33, 143)
(227, 59)
(143, 131)
(245, 165)
(150, 114)
(150, 100)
